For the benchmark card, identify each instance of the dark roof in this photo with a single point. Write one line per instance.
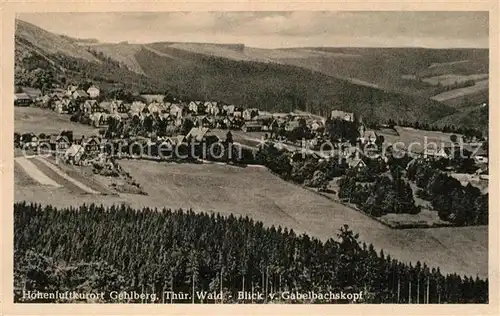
(21, 96)
(32, 92)
(55, 138)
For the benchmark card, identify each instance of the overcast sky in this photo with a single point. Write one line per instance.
(276, 29)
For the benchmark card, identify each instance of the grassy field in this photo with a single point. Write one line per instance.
(450, 79)
(256, 193)
(480, 86)
(37, 120)
(123, 53)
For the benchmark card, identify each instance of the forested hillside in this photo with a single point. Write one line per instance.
(268, 86)
(275, 87)
(155, 251)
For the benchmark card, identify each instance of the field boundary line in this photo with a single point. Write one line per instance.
(36, 174)
(65, 176)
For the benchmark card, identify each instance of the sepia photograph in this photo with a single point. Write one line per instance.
(251, 157)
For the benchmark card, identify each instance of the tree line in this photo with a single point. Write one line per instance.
(378, 189)
(466, 131)
(458, 204)
(92, 247)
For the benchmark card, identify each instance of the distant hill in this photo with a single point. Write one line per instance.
(399, 70)
(63, 61)
(277, 87)
(48, 43)
(270, 79)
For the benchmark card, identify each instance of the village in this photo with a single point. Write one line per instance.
(158, 120)
(161, 128)
(256, 152)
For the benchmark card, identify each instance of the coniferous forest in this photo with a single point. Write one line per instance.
(117, 248)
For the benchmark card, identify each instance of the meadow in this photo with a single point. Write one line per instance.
(255, 192)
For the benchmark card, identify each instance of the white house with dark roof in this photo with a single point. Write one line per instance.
(91, 106)
(195, 106)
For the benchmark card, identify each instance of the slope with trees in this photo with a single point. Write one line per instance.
(90, 247)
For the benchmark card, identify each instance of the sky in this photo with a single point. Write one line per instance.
(430, 29)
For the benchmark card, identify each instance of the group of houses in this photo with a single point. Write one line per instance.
(62, 145)
(210, 114)
(85, 150)
(204, 115)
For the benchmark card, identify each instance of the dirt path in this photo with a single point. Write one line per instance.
(32, 170)
(66, 177)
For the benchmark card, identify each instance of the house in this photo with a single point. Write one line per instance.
(29, 140)
(251, 126)
(71, 89)
(74, 153)
(176, 110)
(91, 106)
(58, 93)
(98, 118)
(93, 91)
(201, 134)
(22, 99)
(59, 96)
(435, 152)
(202, 121)
(195, 106)
(108, 107)
(346, 116)
(355, 163)
(62, 106)
(45, 101)
(123, 107)
(368, 137)
(216, 110)
(33, 93)
(137, 107)
(59, 143)
(80, 94)
(208, 105)
(249, 114)
(212, 108)
(218, 121)
(92, 145)
(155, 107)
(229, 109)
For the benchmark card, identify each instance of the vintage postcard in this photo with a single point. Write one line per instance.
(249, 157)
